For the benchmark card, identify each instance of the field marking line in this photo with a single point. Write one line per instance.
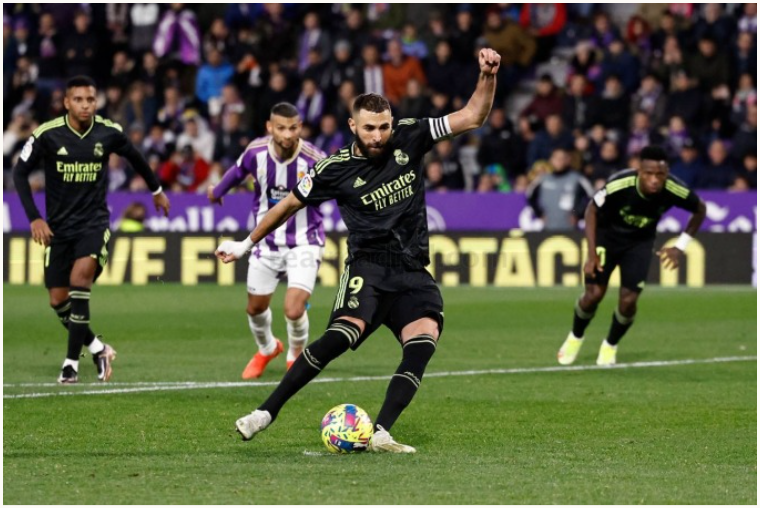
(141, 387)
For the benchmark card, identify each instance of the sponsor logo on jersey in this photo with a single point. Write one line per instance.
(26, 152)
(62, 151)
(277, 193)
(98, 151)
(637, 221)
(402, 159)
(391, 192)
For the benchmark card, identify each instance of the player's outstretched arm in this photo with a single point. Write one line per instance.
(474, 114)
(671, 257)
(230, 251)
(232, 177)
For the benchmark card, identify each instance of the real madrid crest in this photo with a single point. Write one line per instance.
(98, 151)
(402, 159)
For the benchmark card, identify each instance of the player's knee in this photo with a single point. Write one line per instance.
(294, 311)
(628, 304)
(254, 309)
(593, 296)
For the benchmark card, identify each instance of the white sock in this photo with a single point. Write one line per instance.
(73, 363)
(96, 346)
(261, 328)
(298, 335)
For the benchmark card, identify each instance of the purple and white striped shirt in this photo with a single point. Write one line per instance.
(274, 179)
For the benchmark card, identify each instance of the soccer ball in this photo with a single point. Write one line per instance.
(346, 429)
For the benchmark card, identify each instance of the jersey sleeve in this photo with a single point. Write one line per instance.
(681, 196)
(320, 184)
(423, 133)
(29, 160)
(235, 175)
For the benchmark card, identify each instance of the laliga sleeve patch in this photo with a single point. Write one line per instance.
(600, 197)
(26, 152)
(305, 185)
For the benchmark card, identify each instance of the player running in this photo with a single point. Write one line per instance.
(621, 223)
(277, 162)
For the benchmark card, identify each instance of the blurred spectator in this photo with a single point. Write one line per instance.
(441, 105)
(49, 54)
(415, 103)
(184, 172)
(745, 139)
(170, 115)
(603, 32)
(178, 37)
(639, 38)
(650, 98)
(313, 37)
(434, 176)
(748, 21)
(544, 21)
(122, 70)
(275, 28)
(133, 218)
(443, 73)
(559, 197)
(609, 162)
(585, 62)
(676, 135)
(453, 177)
(745, 54)
(115, 106)
(355, 29)
(576, 104)
(747, 176)
(116, 24)
(218, 38)
(515, 45)
(719, 173)
(669, 62)
(143, 20)
(346, 94)
(342, 66)
(685, 101)
(398, 70)
(745, 95)
(310, 103)
(331, 139)
(411, 45)
(212, 76)
(709, 66)
(547, 100)
(372, 70)
(119, 173)
(197, 135)
(553, 136)
(497, 146)
(275, 92)
(156, 143)
(641, 134)
(436, 30)
(231, 141)
(494, 179)
(139, 108)
(715, 24)
(463, 35)
(619, 62)
(667, 29)
(80, 47)
(689, 164)
(612, 108)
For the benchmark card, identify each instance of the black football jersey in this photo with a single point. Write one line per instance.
(76, 173)
(622, 211)
(382, 201)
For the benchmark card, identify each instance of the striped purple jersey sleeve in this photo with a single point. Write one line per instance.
(245, 165)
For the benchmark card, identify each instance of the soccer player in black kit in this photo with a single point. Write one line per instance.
(621, 223)
(74, 150)
(378, 184)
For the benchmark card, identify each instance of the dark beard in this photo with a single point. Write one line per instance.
(365, 150)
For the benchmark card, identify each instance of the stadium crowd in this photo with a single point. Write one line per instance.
(193, 84)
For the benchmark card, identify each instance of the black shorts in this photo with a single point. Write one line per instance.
(384, 295)
(61, 254)
(633, 258)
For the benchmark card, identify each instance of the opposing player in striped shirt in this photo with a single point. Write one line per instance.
(277, 162)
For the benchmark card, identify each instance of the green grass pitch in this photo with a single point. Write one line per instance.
(521, 434)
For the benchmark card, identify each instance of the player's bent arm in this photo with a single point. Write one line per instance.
(474, 114)
(695, 221)
(590, 218)
(233, 177)
(274, 218)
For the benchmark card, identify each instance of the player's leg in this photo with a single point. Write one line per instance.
(81, 279)
(585, 306)
(347, 329)
(302, 267)
(634, 266)
(262, 281)
(297, 322)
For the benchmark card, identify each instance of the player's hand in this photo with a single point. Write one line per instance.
(230, 250)
(161, 202)
(41, 232)
(593, 265)
(489, 61)
(211, 198)
(670, 257)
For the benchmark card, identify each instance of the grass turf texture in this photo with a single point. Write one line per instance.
(674, 434)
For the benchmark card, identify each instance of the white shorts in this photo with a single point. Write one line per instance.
(299, 264)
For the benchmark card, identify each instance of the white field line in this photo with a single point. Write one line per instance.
(138, 387)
